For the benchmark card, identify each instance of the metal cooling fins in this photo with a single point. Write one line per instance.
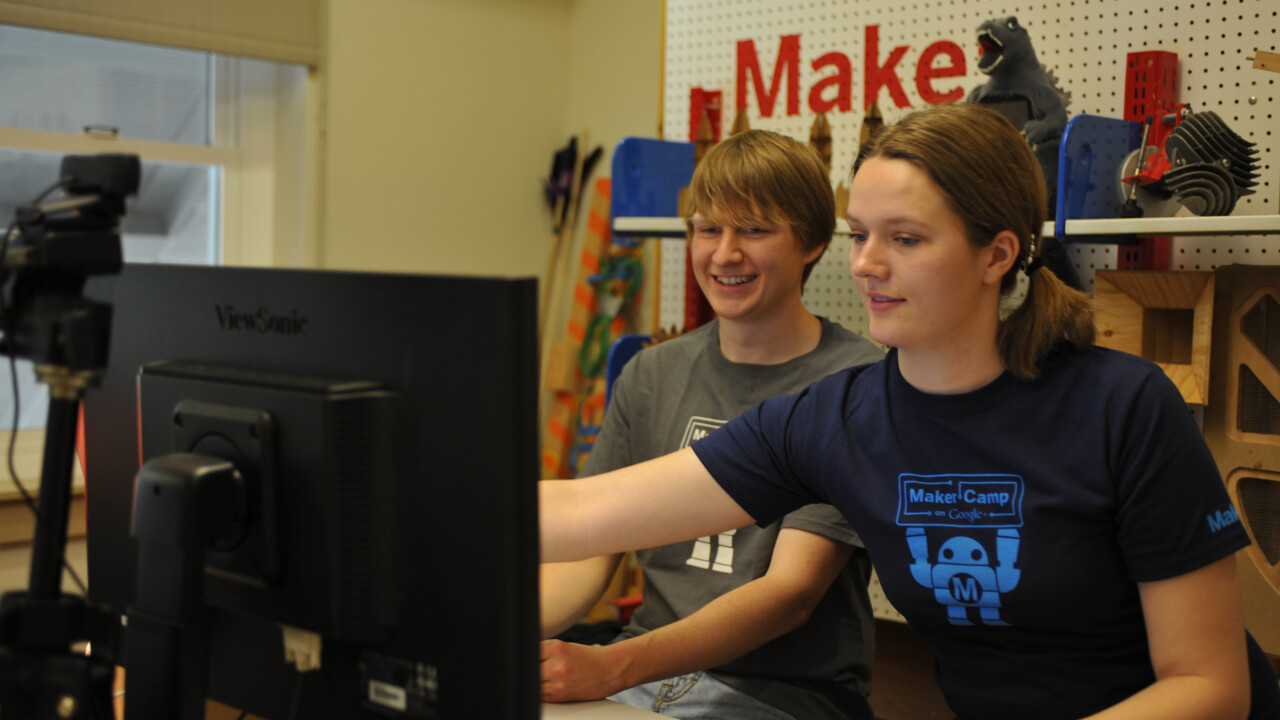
(1203, 188)
(1211, 166)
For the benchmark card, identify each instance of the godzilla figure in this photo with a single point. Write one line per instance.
(1025, 92)
(1020, 87)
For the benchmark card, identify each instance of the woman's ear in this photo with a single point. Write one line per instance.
(1003, 255)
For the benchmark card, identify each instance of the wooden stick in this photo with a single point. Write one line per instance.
(555, 280)
(1265, 60)
(545, 291)
(564, 243)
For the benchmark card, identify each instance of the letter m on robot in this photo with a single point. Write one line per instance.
(965, 589)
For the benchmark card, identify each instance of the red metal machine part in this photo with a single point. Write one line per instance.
(1151, 91)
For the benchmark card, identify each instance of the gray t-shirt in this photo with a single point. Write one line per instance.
(666, 398)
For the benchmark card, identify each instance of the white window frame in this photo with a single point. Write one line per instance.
(270, 193)
(269, 206)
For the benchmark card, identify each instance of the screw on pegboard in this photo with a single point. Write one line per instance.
(1150, 91)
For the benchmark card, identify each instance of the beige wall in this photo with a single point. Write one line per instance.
(615, 74)
(442, 115)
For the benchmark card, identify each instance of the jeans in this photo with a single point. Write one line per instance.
(697, 696)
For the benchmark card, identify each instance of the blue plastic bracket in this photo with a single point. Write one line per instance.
(1089, 162)
(648, 175)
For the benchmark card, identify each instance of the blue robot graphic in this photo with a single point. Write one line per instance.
(962, 576)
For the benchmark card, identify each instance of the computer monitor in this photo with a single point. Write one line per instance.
(382, 434)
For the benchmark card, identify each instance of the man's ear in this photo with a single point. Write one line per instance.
(1003, 255)
(814, 253)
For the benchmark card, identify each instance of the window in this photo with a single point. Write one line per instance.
(224, 143)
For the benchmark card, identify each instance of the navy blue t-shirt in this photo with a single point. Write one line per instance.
(1009, 525)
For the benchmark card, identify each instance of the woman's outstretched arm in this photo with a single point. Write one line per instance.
(661, 501)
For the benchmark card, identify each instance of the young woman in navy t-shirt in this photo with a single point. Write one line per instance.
(1043, 511)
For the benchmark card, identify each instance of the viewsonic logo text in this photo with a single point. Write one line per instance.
(262, 320)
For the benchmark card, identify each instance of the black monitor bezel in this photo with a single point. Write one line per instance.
(463, 353)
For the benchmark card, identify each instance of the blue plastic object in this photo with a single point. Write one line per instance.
(648, 175)
(1089, 161)
(621, 351)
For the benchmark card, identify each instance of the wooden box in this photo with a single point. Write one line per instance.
(1164, 316)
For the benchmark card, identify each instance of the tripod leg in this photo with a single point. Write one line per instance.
(55, 496)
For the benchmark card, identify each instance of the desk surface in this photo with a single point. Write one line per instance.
(595, 710)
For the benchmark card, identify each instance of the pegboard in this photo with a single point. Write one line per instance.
(1083, 42)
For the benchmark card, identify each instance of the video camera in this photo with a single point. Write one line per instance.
(47, 253)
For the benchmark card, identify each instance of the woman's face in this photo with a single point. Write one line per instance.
(925, 286)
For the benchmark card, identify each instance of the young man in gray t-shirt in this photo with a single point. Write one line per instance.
(762, 622)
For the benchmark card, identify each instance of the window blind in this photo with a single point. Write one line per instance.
(287, 31)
